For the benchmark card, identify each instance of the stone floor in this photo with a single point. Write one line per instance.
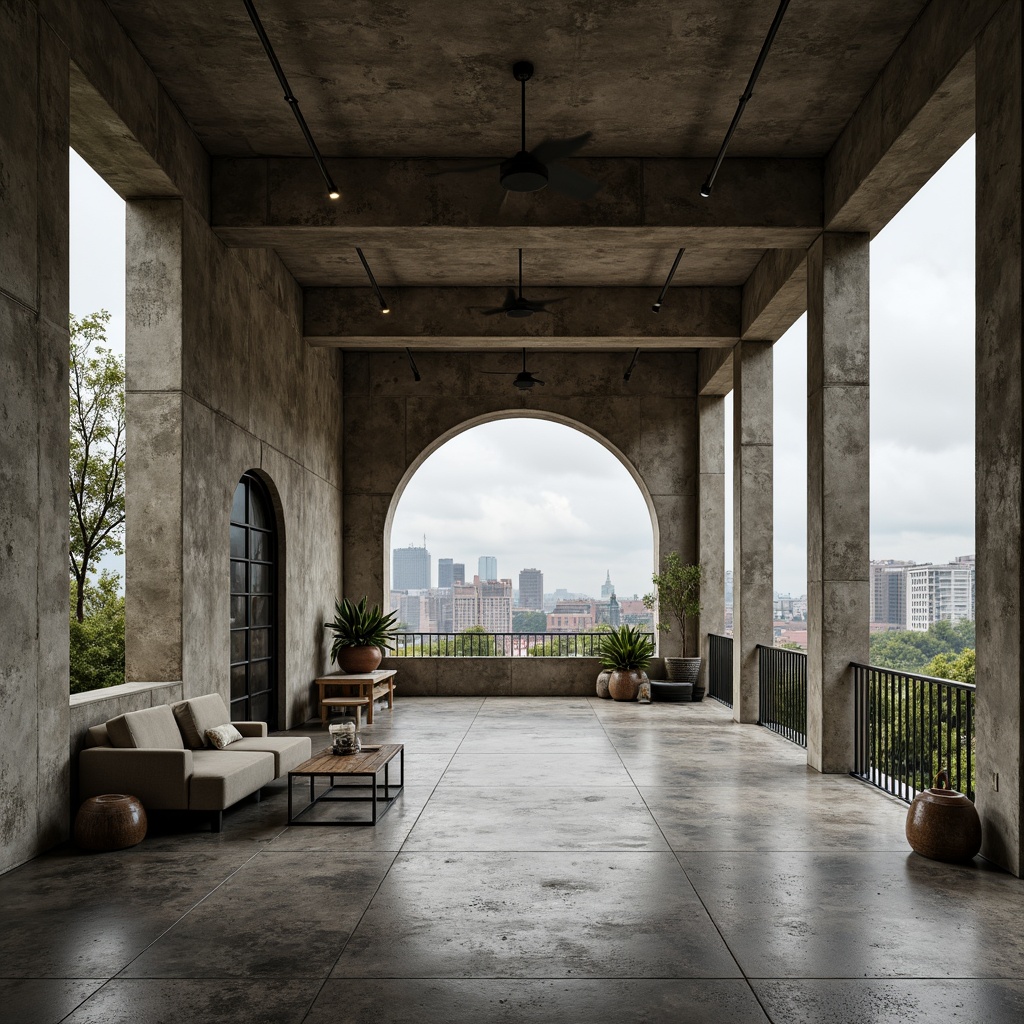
(555, 860)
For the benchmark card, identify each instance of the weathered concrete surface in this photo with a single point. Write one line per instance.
(753, 516)
(391, 423)
(33, 437)
(913, 119)
(775, 294)
(838, 463)
(714, 371)
(711, 521)
(999, 451)
(222, 383)
(589, 318)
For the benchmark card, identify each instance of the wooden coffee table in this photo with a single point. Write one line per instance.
(367, 764)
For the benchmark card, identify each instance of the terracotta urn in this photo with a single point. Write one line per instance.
(602, 684)
(943, 824)
(359, 660)
(624, 684)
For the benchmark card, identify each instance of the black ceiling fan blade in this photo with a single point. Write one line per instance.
(489, 165)
(494, 312)
(501, 373)
(571, 183)
(550, 150)
(536, 381)
(540, 305)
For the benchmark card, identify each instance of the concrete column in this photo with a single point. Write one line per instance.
(711, 520)
(153, 398)
(34, 356)
(837, 491)
(752, 519)
(999, 452)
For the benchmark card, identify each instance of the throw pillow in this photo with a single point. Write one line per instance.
(223, 735)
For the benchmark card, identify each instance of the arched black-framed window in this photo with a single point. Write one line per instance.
(253, 604)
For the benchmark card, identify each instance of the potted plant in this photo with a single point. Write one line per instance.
(361, 635)
(627, 651)
(677, 596)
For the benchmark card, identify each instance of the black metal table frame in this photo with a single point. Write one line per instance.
(387, 800)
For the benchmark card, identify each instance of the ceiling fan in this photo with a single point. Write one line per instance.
(524, 380)
(518, 307)
(530, 171)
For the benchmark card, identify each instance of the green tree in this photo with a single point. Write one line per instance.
(911, 651)
(475, 642)
(959, 667)
(529, 622)
(97, 639)
(96, 478)
(677, 595)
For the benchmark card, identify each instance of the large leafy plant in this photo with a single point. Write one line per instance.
(626, 648)
(355, 625)
(677, 596)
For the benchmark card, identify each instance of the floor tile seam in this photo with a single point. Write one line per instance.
(366, 908)
(181, 917)
(721, 935)
(94, 992)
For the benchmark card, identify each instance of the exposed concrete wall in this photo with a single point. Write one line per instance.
(221, 382)
(753, 519)
(838, 467)
(391, 423)
(33, 435)
(999, 443)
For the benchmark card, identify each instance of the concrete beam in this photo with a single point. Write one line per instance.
(917, 114)
(759, 203)
(775, 295)
(453, 318)
(714, 372)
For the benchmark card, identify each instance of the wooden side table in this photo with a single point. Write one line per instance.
(378, 683)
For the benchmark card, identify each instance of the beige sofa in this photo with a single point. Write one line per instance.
(161, 755)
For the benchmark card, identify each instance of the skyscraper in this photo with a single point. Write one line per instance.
(410, 568)
(445, 573)
(487, 567)
(486, 603)
(459, 572)
(937, 593)
(531, 589)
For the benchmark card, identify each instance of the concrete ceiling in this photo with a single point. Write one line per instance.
(403, 79)
(392, 90)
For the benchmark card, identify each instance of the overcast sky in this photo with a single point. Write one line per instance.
(499, 489)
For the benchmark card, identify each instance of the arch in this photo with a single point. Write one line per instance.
(508, 414)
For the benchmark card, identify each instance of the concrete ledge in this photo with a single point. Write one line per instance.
(124, 690)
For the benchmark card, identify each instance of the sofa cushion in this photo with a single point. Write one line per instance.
(198, 714)
(97, 737)
(222, 777)
(148, 728)
(223, 735)
(288, 751)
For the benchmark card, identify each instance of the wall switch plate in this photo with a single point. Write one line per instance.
(995, 781)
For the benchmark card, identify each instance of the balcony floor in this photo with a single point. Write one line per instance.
(550, 860)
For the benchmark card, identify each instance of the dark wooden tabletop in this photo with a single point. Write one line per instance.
(363, 763)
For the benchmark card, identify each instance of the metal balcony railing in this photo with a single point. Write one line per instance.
(497, 645)
(720, 668)
(782, 706)
(908, 726)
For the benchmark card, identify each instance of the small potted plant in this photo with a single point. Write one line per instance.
(677, 596)
(361, 635)
(627, 651)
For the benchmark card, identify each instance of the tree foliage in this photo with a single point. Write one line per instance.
(529, 622)
(97, 640)
(911, 651)
(97, 436)
(677, 595)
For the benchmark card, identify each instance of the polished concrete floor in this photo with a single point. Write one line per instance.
(550, 860)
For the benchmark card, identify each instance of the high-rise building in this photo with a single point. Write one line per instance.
(410, 568)
(445, 572)
(459, 572)
(607, 588)
(531, 589)
(888, 592)
(939, 593)
(486, 603)
(487, 567)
